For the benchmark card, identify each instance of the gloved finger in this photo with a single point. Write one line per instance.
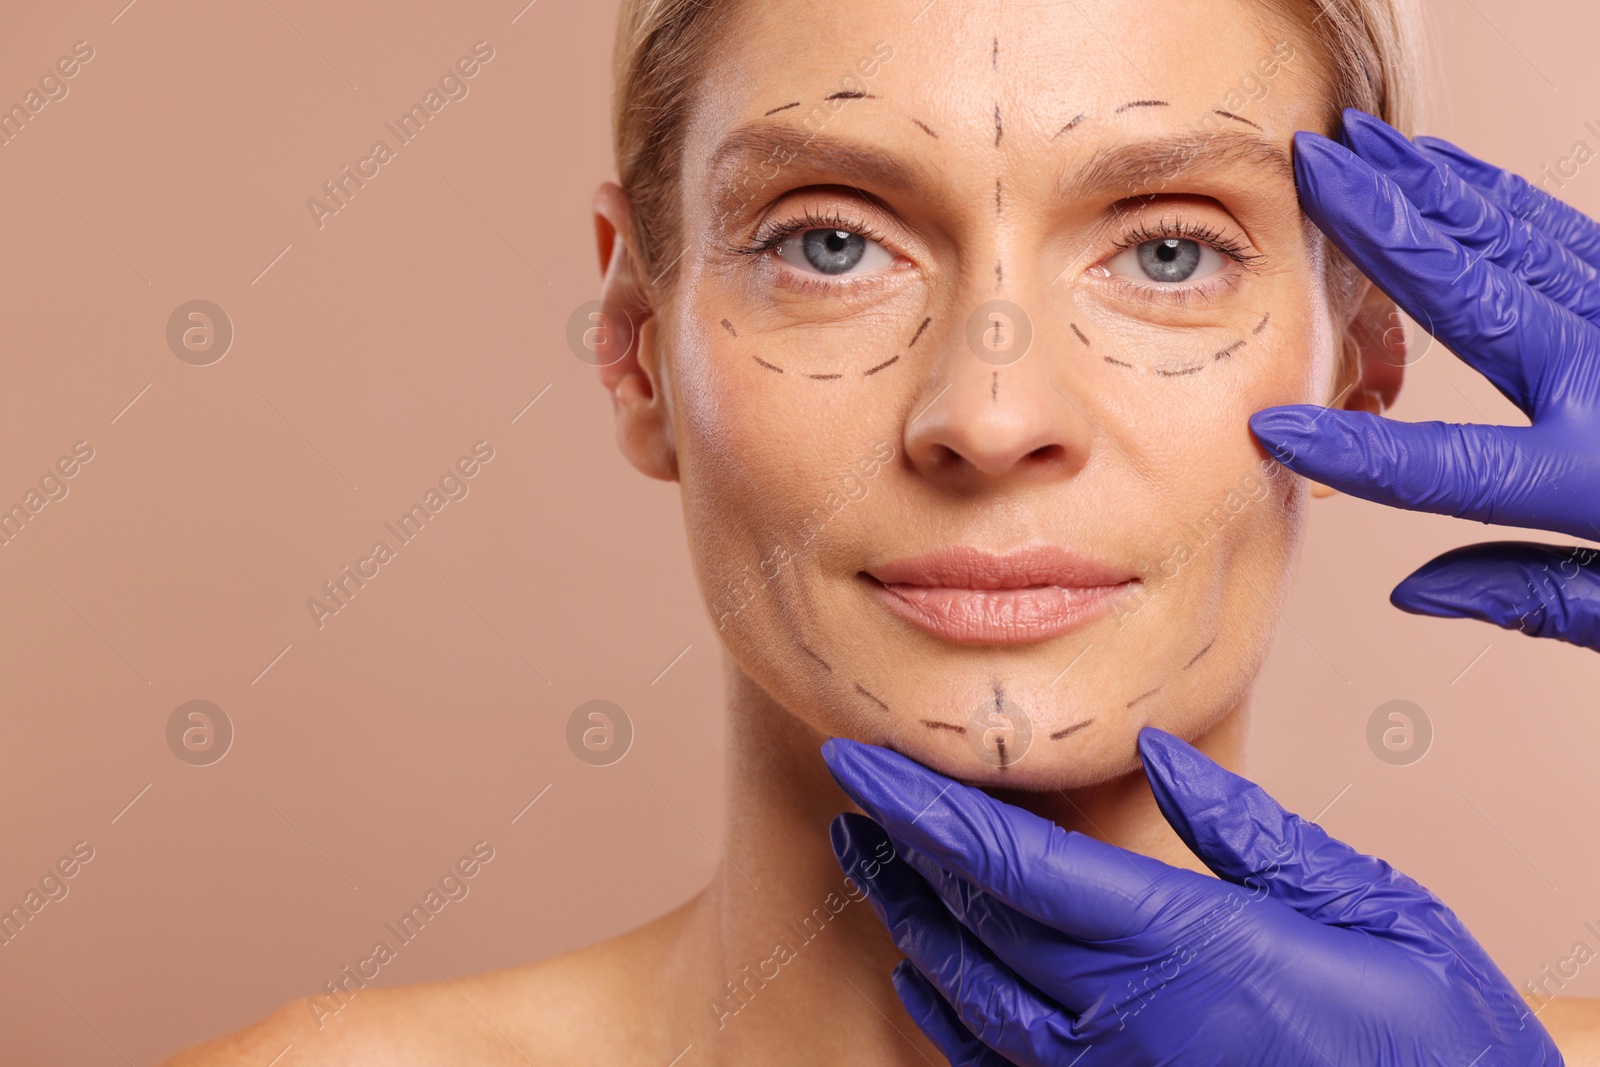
(939, 1021)
(1520, 339)
(1075, 974)
(1247, 838)
(1016, 855)
(1499, 474)
(1526, 201)
(997, 1006)
(1539, 589)
(1448, 201)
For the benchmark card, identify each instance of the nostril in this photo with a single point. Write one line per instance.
(1048, 454)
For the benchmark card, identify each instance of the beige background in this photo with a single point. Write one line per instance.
(426, 715)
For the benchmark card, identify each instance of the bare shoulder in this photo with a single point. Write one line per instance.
(1574, 1023)
(599, 1004)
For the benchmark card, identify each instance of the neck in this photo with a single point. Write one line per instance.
(781, 945)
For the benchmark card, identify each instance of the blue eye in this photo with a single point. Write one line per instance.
(833, 252)
(1167, 260)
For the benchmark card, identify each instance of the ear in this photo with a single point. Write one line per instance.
(1373, 362)
(627, 320)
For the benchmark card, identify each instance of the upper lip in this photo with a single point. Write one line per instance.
(967, 567)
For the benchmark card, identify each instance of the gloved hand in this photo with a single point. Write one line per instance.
(1506, 276)
(1029, 944)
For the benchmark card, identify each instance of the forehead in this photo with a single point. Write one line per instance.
(971, 74)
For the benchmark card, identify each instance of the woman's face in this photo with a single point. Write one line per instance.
(973, 306)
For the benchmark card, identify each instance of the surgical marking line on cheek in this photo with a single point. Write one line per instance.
(726, 325)
(1202, 652)
(767, 365)
(785, 107)
(1236, 118)
(1177, 373)
(863, 691)
(918, 334)
(1141, 103)
(824, 377)
(934, 724)
(1079, 332)
(1230, 350)
(879, 367)
(807, 650)
(1068, 126)
(926, 129)
(995, 57)
(1118, 362)
(856, 94)
(998, 128)
(997, 208)
(1144, 696)
(1262, 325)
(1070, 730)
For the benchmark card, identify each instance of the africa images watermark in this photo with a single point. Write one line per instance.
(342, 989)
(52, 487)
(53, 88)
(738, 995)
(452, 87)
(452, 485)
(739, 594)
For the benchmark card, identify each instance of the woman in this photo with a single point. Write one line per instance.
(949, 320)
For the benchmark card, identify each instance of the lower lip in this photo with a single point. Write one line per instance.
(998, 616)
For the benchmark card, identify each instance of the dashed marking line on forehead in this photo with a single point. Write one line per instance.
(808, 651)
(1068, 731)
(918, 334)
(726, 325)
(1236, 118)
(997, 208)
(767, 365)
(994, 387)
(1068, 126)
(1202, 652)
(934, 724)
(1140, 103)
(994, 57)
(999, 275)
(874, 370)
(1079, 332)
(1144, 696)
(824, 377)
(863, 691)
(999, 128)
(784, 107)
(851, 94)
(926, 129)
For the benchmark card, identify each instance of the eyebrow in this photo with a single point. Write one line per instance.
(765, 144)
(1127, 167)
(1149, 165)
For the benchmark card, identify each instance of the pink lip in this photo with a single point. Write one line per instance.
(971, 596)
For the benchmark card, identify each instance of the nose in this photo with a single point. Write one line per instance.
(992, 416)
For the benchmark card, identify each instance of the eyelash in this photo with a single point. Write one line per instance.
(1193, 231)
(772, 234)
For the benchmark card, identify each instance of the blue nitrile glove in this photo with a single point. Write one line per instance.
(1029, 944)
(1506, 276)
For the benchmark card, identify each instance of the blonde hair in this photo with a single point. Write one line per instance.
(1370, 52)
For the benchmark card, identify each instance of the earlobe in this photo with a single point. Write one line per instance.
(1372, 367)
(638, 395)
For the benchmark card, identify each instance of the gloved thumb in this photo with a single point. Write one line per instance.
(1539, 589)
(1247, 838)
